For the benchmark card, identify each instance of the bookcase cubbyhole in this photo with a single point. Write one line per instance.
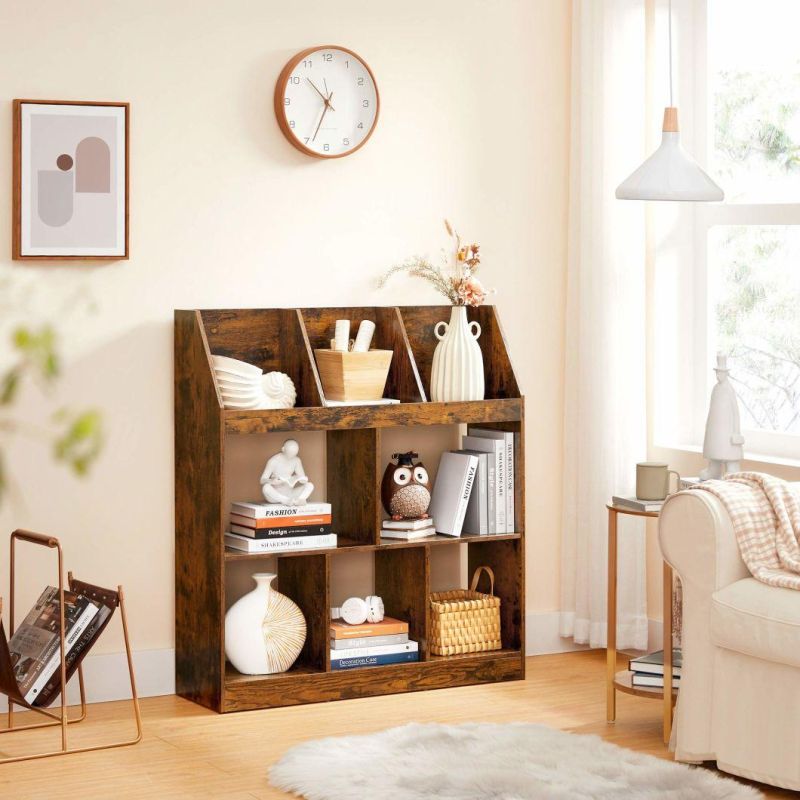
(304, 579)
(453, 567)
(399, 577)
(270, 338)
(403, 382)
(419, 323)
(505, 558)
(519, 466)
(402, 577)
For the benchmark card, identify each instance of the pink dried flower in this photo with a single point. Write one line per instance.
(471, 292)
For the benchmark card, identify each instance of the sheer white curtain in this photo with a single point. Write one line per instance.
(605, 420)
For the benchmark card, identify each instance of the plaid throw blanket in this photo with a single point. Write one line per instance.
(765, 513)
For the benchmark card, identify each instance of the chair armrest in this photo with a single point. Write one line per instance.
(697, 539)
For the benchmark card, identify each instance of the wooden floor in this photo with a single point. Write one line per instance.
(189, 752)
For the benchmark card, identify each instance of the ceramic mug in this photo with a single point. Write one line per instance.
(652, 480)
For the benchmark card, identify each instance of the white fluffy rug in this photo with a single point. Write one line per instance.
(475, 761)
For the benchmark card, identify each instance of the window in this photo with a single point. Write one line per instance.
(741, 276)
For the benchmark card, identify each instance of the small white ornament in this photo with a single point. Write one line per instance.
(284, 480)
(264, 630)
(723, 441)
(279, 390)
(457, 368)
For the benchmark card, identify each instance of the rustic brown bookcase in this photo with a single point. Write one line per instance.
(284, 339)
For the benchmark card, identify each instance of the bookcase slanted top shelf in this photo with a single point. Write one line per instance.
(285, 340)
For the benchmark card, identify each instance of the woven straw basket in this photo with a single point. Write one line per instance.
(465, 620)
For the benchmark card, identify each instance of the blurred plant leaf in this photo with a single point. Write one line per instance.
(81, 441)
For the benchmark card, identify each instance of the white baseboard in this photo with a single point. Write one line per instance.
(541, 635)
(106, 676)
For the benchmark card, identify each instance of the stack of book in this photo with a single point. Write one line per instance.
(635, 504)
(408, 529)
(371, 644)
(474, 489)
(649, 670)
(35, 646)
(272, 527)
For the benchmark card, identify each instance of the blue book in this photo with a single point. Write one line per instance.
(373, 661)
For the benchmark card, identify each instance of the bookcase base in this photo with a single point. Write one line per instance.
(249, 692)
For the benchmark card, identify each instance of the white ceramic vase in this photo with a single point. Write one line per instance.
(264, 630)
(457, 369)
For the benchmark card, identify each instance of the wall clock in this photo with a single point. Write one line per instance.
(326, 101)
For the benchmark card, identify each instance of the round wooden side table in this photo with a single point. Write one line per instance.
(623, 681)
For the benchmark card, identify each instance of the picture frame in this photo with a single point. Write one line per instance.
(71, 180)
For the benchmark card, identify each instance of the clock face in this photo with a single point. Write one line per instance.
(327, 102)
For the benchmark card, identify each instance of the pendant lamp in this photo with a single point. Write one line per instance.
(670, 173)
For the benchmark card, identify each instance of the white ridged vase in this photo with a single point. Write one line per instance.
(264, 630)
(457, 369)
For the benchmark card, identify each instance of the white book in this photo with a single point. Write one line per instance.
(497, 452)
(477, 517)
(451, 491)
(248, 545)
(656, 681)
(407, 524)
(268, 510)
(393, 533)
(507, 437)
(368, 641)
(636, 504)
(72, 636)
(380, 650)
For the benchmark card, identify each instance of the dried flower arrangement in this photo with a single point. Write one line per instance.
(456, 280)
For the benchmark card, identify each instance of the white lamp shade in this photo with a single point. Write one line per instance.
(670, 173)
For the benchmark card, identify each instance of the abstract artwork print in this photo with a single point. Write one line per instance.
(71, 182)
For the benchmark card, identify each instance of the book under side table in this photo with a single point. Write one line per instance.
(623, 681)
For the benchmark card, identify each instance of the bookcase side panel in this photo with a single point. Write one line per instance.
(199, 593)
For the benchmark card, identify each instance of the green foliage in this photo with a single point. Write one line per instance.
(81, 441)
(757, 323)
(754, 113)
(77, 437)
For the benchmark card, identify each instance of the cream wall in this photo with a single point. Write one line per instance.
(224, 213)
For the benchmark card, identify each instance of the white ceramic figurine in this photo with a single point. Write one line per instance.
(723, 442)
(284, 480)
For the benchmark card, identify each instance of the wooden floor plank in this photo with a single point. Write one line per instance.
(189, 752)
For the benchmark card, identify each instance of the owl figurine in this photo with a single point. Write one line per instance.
(404, 490)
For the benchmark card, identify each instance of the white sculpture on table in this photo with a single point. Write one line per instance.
(723, 442)
(284, 480)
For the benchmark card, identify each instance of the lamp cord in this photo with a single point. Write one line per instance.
(669, 27)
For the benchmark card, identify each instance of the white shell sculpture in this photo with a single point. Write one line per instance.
(279, 390)
(264, 630)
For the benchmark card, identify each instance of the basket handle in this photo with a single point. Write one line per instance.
(476, 576)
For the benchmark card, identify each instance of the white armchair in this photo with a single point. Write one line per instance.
(739, 701)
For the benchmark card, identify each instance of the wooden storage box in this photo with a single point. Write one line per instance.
(350, 376)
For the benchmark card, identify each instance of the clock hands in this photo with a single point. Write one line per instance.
(327, 99)
(324, 112)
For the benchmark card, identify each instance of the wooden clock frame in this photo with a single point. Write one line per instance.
(280, 108)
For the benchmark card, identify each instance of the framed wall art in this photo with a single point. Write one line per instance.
(71, 164)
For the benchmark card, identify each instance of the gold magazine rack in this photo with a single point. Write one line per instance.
(8, 682)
